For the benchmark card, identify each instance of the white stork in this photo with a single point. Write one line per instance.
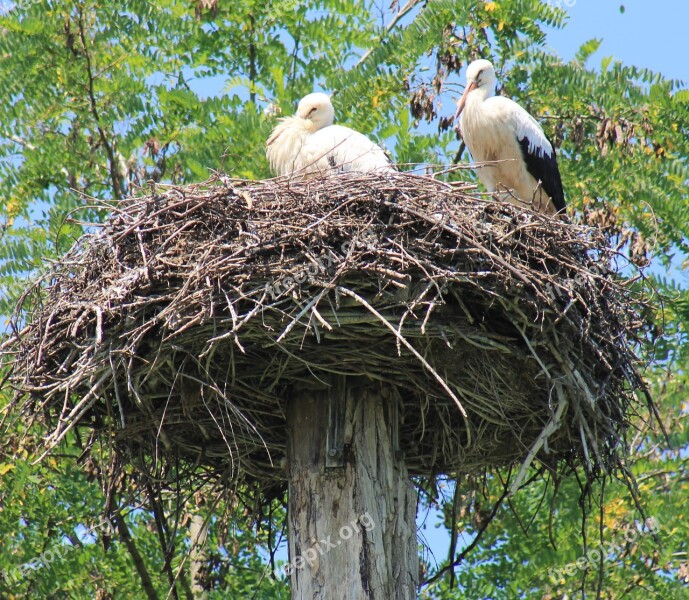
(309, 143)
(495, 128)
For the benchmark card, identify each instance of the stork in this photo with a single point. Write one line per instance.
(309, 143)
(495, 128)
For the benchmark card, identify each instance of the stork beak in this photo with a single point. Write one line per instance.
(463, 100)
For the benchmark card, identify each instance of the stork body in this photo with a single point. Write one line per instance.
(309, 143)
(495, 128)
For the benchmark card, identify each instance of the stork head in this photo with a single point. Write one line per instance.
(317, 109)
(480, 77)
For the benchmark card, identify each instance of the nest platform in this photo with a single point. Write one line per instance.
(179, 329)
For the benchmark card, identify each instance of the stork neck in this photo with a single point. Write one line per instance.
(299, 125)
(480, 94)
(309, 126)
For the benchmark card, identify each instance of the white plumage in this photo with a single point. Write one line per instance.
(309, 143)
(495, 128)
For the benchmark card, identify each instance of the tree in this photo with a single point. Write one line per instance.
(101, 99)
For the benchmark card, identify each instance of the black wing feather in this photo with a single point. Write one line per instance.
(544, 169)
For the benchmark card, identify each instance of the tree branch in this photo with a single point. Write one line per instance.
(115, 175)
(126, 536)
(474, 542)
(396, 19)
(20, 141)
(252, 59)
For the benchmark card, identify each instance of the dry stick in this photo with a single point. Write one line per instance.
(320, 319)
(313, 302)
(460, 235)
(74, 416)
(550, 428)
(411, 348)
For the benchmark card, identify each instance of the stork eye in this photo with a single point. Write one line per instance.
(312, 111)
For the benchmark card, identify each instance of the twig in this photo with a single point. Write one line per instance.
(393, 23)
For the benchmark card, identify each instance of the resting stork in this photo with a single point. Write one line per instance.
(495, 128)
(309, 143)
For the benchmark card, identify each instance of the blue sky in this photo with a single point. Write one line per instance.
(649, 34)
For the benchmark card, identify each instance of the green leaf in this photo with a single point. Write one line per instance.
(587, 49)
(605, 63)
(681, 96)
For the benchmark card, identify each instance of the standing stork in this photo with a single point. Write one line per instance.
(309, 143)
(495, 128)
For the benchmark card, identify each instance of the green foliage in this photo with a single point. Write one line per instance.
(101, 98)
(47, 512)
(538, 545)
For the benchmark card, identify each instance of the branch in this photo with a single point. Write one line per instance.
(146, 581)
(402, 12)
(550, 428)
(20, 141)
(115, 175)
(458, 156)
(166, 544)
(474, 542)
(252, 60)
(295, 53)
(409, 347)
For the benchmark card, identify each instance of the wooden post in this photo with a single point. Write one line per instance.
(352, 507)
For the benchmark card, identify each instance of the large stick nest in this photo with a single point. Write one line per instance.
(181, 327)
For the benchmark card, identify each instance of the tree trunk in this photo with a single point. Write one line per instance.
(352, 507)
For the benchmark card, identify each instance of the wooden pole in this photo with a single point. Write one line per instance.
(352, 507)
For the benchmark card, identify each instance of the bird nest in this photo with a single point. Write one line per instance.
(181, 327)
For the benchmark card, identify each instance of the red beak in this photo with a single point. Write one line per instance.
(463, 100)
